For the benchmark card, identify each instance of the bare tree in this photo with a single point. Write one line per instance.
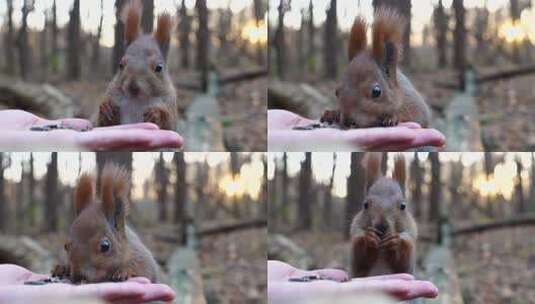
(440, 21)
(435, 194)
(32, 204)
(259, 10)
(417, 179)
(311, 38)
(356, 190)
(300, 46)
(96, 43)
(55, 37)
(280, 39)
(9, 40)
(285, 180)
(147, 20)
(22, 41)
(119, 46)
(51, 195)
(3, 200)
(331, 42)
(327, 201)
(74, 67)
(184, 29)
(459, 34)
(44, 47)
(203, 39)
(162, 179)
(519, 187)
(304, 212)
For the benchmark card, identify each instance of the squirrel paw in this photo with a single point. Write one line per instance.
(158, 116)
(397, 251)
(388, 121)
(330, 117)
(61, 271)
(369, 242)
(109, 114)
(119, 276)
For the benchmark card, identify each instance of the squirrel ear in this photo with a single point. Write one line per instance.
(387, 31)
(399, 173)
(83, 193)
(114, 190)
(131, 18)
(358, 39)
(162, 35)
(372, 164)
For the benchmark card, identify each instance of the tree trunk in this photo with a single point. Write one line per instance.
(435, 194)
(311, 60)
(74, 68)
(301, 63)
(55, 37)
(203, 39)
(331, 42)
(304, 214)
(440, 20)
(44, 48)
(519, 187)
(405, 8)
(515, 16)
(532, 184)
(259, 12)
(9, 40)
(285, 198)
(32, 206)
(184, 29)
(95, 60)
(459, 34)
(51, 196)
(22, 42)
(416, 183)
(356, 190)
(147, 20)
(119, 46)
(280, 41)
(3, 200)
(181, 193)
(161, 184)
(327, 203)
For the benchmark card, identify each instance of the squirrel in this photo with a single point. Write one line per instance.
(383, 233)
(101, 246)
(373, 92)
(141, 90)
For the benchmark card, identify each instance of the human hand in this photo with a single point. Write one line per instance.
(135, 290)
(401, 287)
(16, 135)
(283, 137)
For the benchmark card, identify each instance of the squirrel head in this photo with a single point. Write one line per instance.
(142, 70)
(97, 243)
(369, 87)
(385, 207)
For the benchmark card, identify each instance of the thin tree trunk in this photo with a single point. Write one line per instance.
(119, 46)
(55, 38)
(51, 197)
(435, 194)
(44, 48)
(22, 42)
(519, 187)
(203, 38)
(259, 11)
(440, 20)
(184, 30)
(74, 68)
(311, 39)
(32, 206)
(356, 190)
(181, 190)
(304, 214)
(161, 182)
(147, 20)
(285, 198)
(3, 200)
(96, 44)
(327, 207)
(331, 42)
(515, 16)
(280, 41)
(417, 180)
(459, 57)
(9, 40)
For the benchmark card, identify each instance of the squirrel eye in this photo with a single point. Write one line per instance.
(121, 65)
(403, 206)
(67, 246)
(366, 205)
(337, 92)
(158, 68)
(376, 91)
(105, 245)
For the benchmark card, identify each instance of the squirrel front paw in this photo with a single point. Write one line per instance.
(365, 252)
(330, 117)
(109, 114)
(397, 252)
(61, 271)
(119, 276)
(388, 121)
(158, 116)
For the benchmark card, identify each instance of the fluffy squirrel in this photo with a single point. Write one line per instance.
(142, 90)
(373, 92)
(384, 232)
(101, 246)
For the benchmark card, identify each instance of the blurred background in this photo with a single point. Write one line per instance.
(475, 215)
(203, 215)
(473, 60)
(57, 57)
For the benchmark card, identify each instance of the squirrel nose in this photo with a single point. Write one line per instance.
(382, 228)
(133, 88)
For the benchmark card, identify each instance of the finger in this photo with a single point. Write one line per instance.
(130, 139)
(141, 280)
(158, 292)
(143, 126)
(429, 137)
(410, 125)
(335, 274)
(397, 276)
(402, 289)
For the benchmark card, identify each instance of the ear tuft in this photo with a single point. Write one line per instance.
(399, 173)
(131, 18)
(83, 193)
(115, 184)
(372, 164)
(162, 35)
(387, 32)
(358, 39)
